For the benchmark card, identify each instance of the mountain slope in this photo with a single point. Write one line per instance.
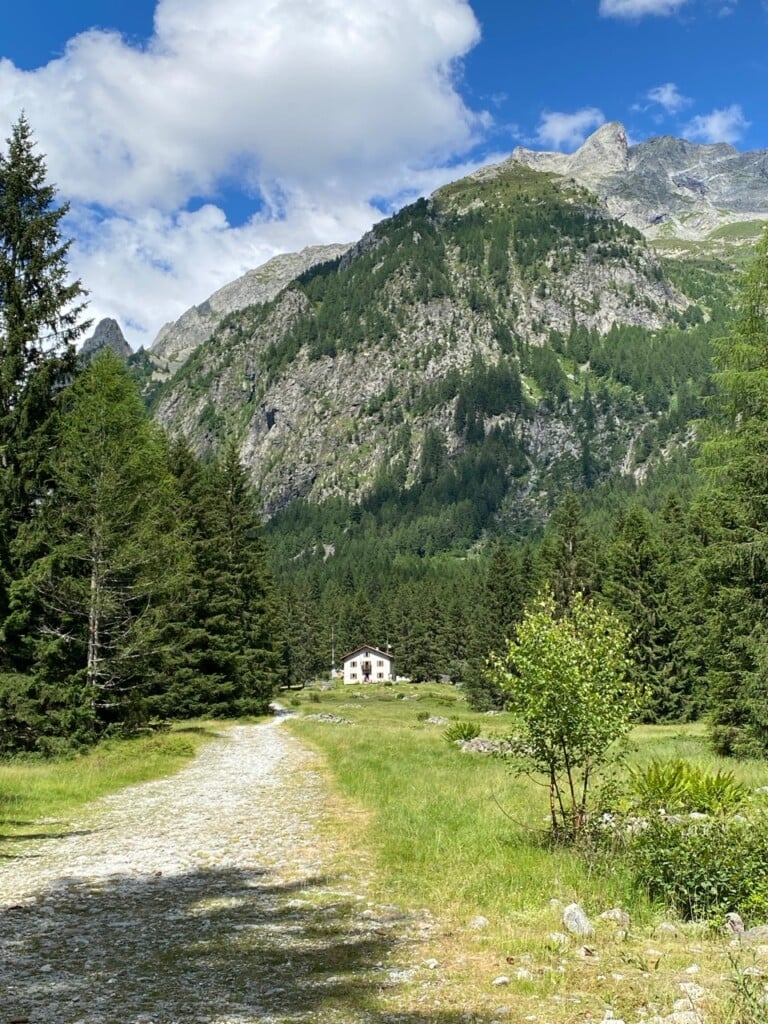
(508, 331)
(176, 341)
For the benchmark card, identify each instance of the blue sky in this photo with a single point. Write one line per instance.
(194, 139)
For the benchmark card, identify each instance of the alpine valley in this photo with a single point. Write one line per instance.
(542, 328)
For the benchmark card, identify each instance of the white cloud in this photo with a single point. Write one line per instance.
(726, 125)
(314, 106)
(567, 131)
(633, 9)
(669, 97)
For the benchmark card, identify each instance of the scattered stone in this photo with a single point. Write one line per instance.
(576, 921)
(558, 938)
(479, 923)
(523, 974)
(326, 717)
(666, 928)
(399, 977)
(432, 964)
(617, 916)
(437, 720)
(693, 969)
(693, 992)
(757, 934)
(503, 979)
(481, 745)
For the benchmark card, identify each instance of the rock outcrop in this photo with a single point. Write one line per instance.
(107, 335)
(665, 187)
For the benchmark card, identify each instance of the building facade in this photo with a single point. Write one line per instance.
(368, 664)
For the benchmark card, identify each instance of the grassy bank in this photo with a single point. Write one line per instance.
(37, 797)
(458, 834)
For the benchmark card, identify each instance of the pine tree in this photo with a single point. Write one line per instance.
(229, 660)
(569, 554)
(104, 551)
(637, 588)
(734, 513)
(40, 319)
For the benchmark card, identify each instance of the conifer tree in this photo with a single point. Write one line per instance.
(104, 551)
(569, 554)
(734, 514)
(230, 647)
(40, 319)
(637, 588)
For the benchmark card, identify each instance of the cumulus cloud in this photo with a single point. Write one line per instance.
(558, 130)
(634, 9)
(311, 106)
(725, 125)
(669, 97)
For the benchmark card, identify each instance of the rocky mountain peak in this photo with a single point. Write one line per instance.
(106, 335)
(606, 151)
(665, 186)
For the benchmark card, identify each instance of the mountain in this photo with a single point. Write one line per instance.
(665, 187)
(176, 341)
(494, 345)
(106, 335)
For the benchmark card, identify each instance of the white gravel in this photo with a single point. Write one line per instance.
(204, 898)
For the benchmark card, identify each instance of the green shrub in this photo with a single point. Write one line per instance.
(314, 697)
(703, 868)
(422, 716)
(461, 731)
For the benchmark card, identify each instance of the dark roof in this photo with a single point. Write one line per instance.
(367, 647)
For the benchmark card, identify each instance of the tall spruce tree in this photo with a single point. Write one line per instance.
(229, 651)
(733, 514)
(105, 556)
(568, 557)
(40, 319)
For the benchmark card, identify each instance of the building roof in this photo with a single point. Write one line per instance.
(367, 647)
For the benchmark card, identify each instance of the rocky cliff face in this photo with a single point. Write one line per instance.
(176, 341)
(665, 187)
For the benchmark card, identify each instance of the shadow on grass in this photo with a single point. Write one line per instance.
(205, 946)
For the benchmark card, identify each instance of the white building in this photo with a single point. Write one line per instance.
(368, 665)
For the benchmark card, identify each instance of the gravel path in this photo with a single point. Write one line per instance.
(205, 898)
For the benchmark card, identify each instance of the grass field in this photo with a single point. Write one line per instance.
(456, 833)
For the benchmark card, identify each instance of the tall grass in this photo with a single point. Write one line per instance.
(458, 834)
(450, 829)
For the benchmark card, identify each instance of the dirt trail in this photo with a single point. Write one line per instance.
(205, 898)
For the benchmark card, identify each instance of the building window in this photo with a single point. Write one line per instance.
(380, 675)
(354, 664)
(353, 675)
(380, 663)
